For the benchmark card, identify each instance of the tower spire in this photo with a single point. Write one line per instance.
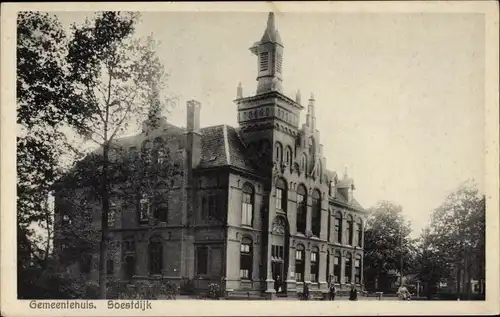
(311, 117)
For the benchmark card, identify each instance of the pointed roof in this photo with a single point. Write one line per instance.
(271, 34)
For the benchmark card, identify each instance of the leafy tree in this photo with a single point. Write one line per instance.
(387, 243)
(44, 107)
(455, 239)
(119, 78)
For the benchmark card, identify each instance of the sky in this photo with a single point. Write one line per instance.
(399, 96)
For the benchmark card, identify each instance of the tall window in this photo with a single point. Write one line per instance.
(247, 205)
(281, 195)
(338, 227)
(336, 267)
(155, 255)
(161, 212)
(279, 61)
(303, 163)
(314, 264)
(246, 259)
(328, 266)
(329, 224)
(129, 256)
(112, 215)
(301, 209)
(360, 233)
(110, 267)
(143, 209)
(350, 230)
(210, 206)
(278, 155)
(316, 213)
(348, 268)
(311, 146)
(288, 156)
(299, 263)
(357, 269)
(264, 61)
(201, 260)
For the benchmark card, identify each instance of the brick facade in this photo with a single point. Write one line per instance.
(233, 210)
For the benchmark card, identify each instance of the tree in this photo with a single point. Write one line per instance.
(387, 243)
(119, 78)
(44, 108)
(455, 239)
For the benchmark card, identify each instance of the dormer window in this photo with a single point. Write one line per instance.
(264, 61)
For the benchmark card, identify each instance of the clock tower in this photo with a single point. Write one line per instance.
(268, 120)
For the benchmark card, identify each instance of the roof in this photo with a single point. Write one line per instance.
(222, 146)
(271, 34)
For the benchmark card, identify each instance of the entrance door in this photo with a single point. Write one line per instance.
(279, 252)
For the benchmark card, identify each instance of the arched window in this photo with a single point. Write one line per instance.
(288, 156)
(314, 264)
(278, 155)
(336, 267)
(301, 208)
(281, 195)
(348, 268)
(359, 229)
(350, 230)
(247, 205)
(357, 269)
(155, 255)
(312, 149)
(303, 163)
(246, 259)
(316, 213)
(338, 227)
(299, 263)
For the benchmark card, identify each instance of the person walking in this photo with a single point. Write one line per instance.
(277, 284)
(333, 291)
(353, 294)
(305, 293)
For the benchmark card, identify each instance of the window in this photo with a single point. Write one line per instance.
(246, 259)
(129, 267)
(161, 212)
(329, 229)
(279, 62)
(360, 233)
(303, 163)
(143, 209)
(155, 255)
(316, 213)
(299, 263)
(311, 146)
(277, 260)
(314, 264)
(338, 227)
(201, 260)
(336, 267)
(281, 195)
(111, 215)
(350, 230)
(328, 277)
(288, 156)
(264, 61)
(110, 266)
(357, 269)
(210, 206)
(348, 268)
(301, 209)
(146, 152)
(278, 155)
(247, 205)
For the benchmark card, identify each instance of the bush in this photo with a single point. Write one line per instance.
(169, 289)
(214, 291)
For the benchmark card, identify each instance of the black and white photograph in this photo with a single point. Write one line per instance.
(197, 155)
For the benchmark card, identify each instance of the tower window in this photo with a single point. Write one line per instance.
(279, 60)
(264, 61)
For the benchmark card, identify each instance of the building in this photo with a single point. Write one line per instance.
(251, 204)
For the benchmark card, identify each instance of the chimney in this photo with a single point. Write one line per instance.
(193, 135)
